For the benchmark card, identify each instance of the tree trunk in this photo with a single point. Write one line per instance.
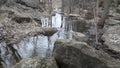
(101, 22)
(107, 4)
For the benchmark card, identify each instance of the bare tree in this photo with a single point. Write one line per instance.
(50, 12)
(95, 11)
(106, 7)
(101, 22)
(70, 6)
(116, 3)
(63, 5)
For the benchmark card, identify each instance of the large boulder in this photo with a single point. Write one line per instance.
(37, 62)
(73, 54)
(112, 38)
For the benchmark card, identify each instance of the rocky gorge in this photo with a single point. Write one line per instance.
(32, 37)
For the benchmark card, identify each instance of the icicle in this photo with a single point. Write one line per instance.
(44, 21)
(49, 51)
(25, 48)
(35, 45)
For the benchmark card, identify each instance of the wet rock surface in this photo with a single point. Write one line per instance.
(72, 54)
(37, 62)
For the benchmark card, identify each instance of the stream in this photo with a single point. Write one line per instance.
(36, 45)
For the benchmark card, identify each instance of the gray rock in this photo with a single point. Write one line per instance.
(88, 14)
(115, 16)
(49, 31)
(112, 22)
(79, 36)
(18, 10)
(2, 2)
(112, 38)
(31, 3)
(118, 9)
(80, 25)
(73, 54)
(37, 62)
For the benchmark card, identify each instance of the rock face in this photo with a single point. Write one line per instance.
(112, 22)
(49, 31)
(37, 62)
(30, 3)
(116, 16)
(79, 36)
(18, 10)
(88, 15)
(80, 25)
(72, 54)
(118, 9)
(2, 2)
(112, 38)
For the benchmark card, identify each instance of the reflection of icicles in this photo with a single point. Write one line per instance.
(45, 21)
(63, 22)
(61, 32)
(57, 20)
(66, 30)
(6, 56)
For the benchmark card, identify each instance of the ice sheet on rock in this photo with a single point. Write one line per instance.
(44, 21)
(57, 20)
(32, 46)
